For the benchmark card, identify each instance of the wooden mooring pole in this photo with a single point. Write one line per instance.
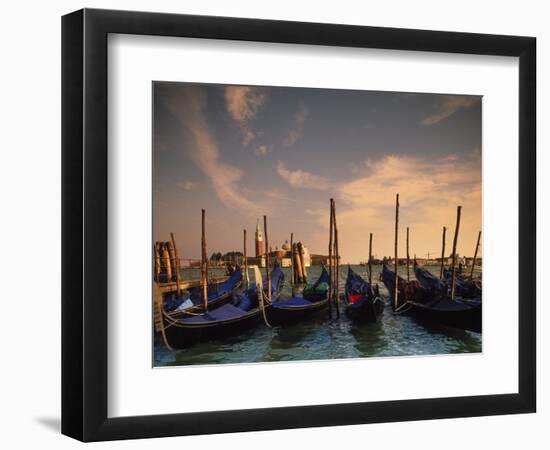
(442, 254)
(301, 254)
(330, 263)
(292, 263)
(267, 261)
(246, 279)
(172, 256)
(408, 259)
(166, 261)
(396, 278)
(204, 263)
(336, 262)
(156, 250)
(177, 261)
(475, 256)
(370, 260)
(455, 241)
(298, 274)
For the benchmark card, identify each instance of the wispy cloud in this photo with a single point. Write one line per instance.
(187, 185)
(187, 104)
(301, 179)
(449, 104)
(297, 132)
(243, 103)
(262, 150)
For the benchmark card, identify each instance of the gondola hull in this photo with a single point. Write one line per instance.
(244, 312)
(465, 319)
(429, 305)
(367, 312)
(292, 314)
(184, 335)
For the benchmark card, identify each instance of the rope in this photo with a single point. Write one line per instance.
(186, 311)
(398, 310)
(161, 312)
(261, 296)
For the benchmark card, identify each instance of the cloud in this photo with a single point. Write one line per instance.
(187, 185)
(243, 103)
(301, 178)
(448, 105)
(430, 190)
(187, 104)
(297, 132)
(262, 150)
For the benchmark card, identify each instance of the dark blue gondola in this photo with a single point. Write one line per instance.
(242, 313)
(217, 294)
(363, 303)
(314, 299)
(416, 300)
(464, 287)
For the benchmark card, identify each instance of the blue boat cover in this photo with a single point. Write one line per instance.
(304, 300)
(323, 278)
(463, 286)
(242, 303)
(215, 291)
(218, 290)
(317, 291)
(224, 312)
(355, 283)
(429, 281)
(170, 304)
(388, 278)
(294, 301)
(277, 278)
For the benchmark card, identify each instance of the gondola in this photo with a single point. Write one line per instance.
(314, 299)
(464, 287)
(218, 294)
(363, 300)
(415, 300)
(242, 313)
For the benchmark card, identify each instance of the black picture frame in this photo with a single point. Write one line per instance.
(84, 224)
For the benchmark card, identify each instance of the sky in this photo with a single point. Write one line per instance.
(242, 152)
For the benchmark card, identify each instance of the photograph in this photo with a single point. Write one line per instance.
(281, 216)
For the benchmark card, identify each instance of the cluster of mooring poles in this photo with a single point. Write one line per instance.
(167, 262)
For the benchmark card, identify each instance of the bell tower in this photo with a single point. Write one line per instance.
(259, 240)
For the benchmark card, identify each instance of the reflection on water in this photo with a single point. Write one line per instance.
(321, 338)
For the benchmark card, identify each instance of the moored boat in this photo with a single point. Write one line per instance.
(464, 286)
(363, 301)
(414, 299)
(314, 298)
(243, 312)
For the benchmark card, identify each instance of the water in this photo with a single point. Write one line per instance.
(321, 338)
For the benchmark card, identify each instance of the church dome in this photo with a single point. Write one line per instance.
(286, 246)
